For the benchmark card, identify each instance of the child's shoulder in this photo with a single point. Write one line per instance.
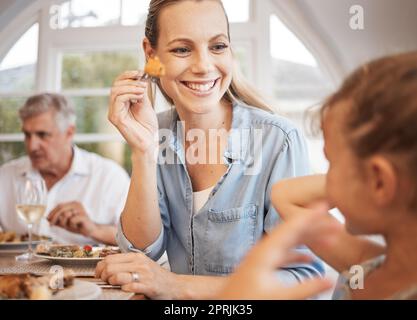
(349, 279)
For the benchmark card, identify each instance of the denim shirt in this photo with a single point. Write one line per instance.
(262, 149)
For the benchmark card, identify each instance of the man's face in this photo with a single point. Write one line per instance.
(44, 142)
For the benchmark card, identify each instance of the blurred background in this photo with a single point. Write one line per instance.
(295, 51)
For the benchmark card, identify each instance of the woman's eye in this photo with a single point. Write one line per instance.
(180, 51)
(219, 47)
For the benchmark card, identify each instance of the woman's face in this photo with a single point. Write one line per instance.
(346, 183)
(193, 45)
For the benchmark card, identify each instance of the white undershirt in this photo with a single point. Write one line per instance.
(200, 198)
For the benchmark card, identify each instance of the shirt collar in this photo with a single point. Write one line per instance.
(78, 165)
(238, 140)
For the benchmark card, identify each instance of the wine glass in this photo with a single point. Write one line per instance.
(30, 207)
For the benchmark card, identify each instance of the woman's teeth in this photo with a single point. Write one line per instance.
(199, 86)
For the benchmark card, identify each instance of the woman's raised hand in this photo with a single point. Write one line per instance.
(131, 112)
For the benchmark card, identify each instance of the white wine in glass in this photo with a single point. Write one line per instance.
(30, 213)
(30, 207)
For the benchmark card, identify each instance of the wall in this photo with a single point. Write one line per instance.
(390, 27)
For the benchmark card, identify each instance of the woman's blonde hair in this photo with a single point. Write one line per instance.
(239, 91)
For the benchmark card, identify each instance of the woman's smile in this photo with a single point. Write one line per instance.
(200, 88)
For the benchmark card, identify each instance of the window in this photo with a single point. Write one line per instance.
(86, 80)
(237, 11)
(18, 68)
(299, 83)
(9, 120)
(243, 54)
(134, 12)
(17, 82)
(92, 13)
(96, 69)
(11, 150)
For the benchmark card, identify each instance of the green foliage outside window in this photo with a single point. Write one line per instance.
(96, 69)
(9, 118)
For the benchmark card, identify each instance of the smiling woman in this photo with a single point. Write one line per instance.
(205, 214)
(196, 65)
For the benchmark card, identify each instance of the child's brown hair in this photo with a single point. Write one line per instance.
(382, 115)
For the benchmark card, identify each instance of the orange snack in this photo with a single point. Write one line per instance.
(155, 68)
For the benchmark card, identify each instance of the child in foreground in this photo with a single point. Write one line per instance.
(370, 132)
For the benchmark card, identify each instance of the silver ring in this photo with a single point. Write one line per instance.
(135, 276)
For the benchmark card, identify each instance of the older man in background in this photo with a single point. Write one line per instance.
(86, 192)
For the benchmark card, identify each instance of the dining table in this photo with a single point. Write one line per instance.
(86, 286)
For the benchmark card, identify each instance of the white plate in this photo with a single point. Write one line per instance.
(69, 260)
(80, 290)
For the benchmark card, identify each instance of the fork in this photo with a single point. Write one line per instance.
(144, 77)
(105, 285)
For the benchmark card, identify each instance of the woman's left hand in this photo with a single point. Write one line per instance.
(153, 281)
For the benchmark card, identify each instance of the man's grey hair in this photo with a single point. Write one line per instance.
(44, 102)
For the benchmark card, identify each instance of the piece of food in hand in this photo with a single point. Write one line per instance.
(154, 68)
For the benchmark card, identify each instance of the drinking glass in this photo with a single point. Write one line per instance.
(30, 207)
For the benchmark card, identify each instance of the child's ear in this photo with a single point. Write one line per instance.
(383, 180)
